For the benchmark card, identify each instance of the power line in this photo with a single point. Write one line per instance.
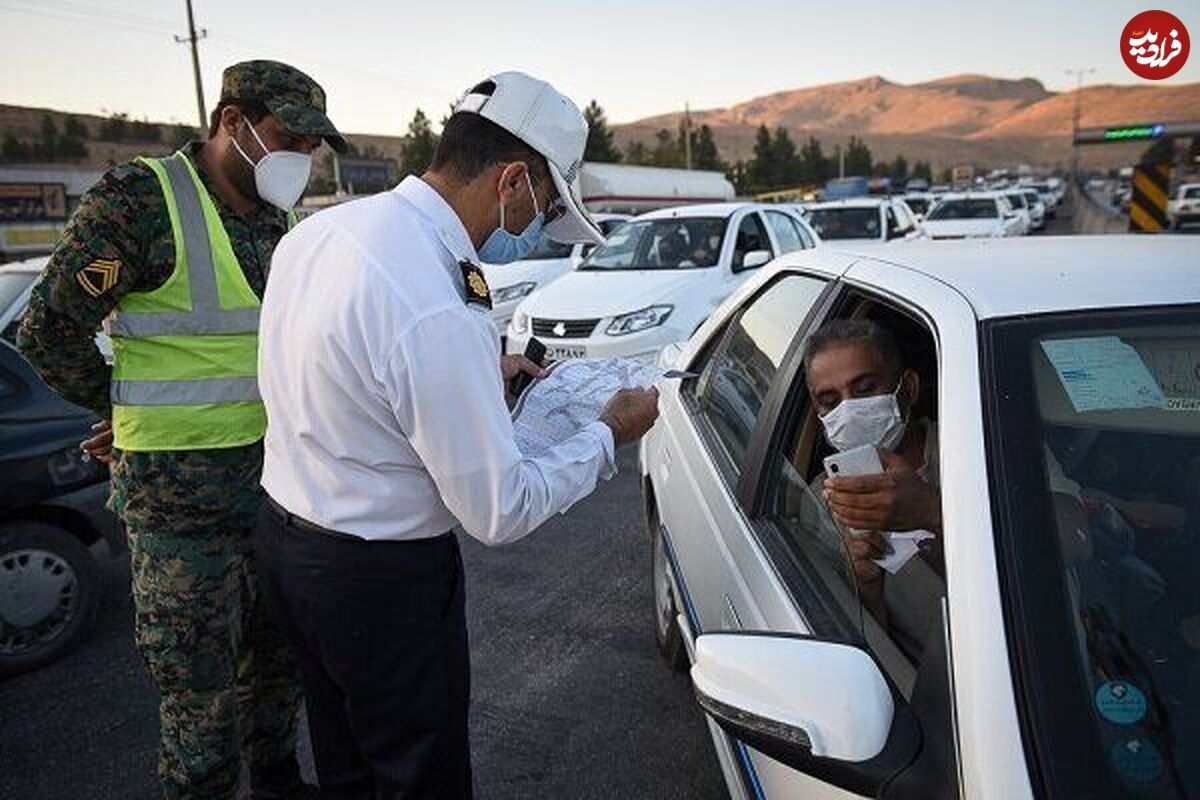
(69, 15)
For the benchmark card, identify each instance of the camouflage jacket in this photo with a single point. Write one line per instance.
(118, 241)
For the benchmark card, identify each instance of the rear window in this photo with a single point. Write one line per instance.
(965, 209)
(845, 223)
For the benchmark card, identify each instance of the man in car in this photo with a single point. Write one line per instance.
(865, 394)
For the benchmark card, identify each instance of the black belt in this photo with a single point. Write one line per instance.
(294, 521)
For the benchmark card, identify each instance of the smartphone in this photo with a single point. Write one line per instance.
(535, 351)
(859, 461)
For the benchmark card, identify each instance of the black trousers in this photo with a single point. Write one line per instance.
(378, 632)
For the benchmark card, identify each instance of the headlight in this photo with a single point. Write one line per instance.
(514, 292)
(636, 321)
(520, 322)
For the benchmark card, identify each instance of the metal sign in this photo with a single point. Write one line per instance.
(33, 202)
(1140, 131)
(1148, 206)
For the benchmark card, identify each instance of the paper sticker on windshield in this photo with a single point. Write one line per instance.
(1102, 373)
(1120, 702)
(1137, 760)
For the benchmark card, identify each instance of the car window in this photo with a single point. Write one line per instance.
(1104, 543)
(546, 249)
(735, 378)
(975, 208)
(894, 613)
(751, 236)
(804, 234)
(785, 232)
(845, 222)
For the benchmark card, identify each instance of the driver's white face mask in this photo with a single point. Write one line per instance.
(874, 420)
(279, 176)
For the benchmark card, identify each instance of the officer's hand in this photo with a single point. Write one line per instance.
(630, 413)
(513, 365)
(99, 446)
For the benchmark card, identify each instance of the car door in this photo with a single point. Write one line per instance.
(698, 472)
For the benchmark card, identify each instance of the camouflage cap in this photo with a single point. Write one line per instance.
(293, 98)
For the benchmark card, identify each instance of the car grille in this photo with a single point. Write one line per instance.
(571, 328)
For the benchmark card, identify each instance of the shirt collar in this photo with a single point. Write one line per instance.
(441, 216)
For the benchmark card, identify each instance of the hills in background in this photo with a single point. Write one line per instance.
(960, 119)
(973, 119)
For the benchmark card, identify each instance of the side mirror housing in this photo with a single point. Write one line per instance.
(753, 259)
(820, 707)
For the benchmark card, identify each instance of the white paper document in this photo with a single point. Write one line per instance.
(1102, 373)
(571, 397)
(905, 545)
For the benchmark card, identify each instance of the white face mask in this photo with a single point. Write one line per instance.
(279, 176)
(874, 420)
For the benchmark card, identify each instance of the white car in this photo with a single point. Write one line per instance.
(863, 220)
(1045, 644)
(655, 280)
(1037, 209)
(973, 215)
(1020, 204)
(1185, 207)
(510, 283)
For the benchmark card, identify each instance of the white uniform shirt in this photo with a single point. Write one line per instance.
(382, 385)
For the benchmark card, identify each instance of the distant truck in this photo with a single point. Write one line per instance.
(628, 189)
(842, 188)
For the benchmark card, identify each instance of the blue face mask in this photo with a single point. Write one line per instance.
(503, 247)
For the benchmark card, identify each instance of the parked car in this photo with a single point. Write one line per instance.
(1185, 207)
(1046, 645)
(1049, 195)
(510, 283)
(655, 280)
(51, 516)
(863, 220)
(973, 215)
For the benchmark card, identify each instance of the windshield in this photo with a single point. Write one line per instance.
(1032, 197)
(965, 209)
(673, 243)
(547, 248)
(1192, 193)
(845, 223)
(1100, 422)
(1017, 199)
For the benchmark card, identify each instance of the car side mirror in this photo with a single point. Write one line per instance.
(753, 259)
(820, 707)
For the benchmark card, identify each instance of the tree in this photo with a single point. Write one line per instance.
(814, 167)
(47, 142)
(115, 128)
(922, 169)
(858, 157)
(946, 175)
(667, 150)
(785, 162)
(600, 145)
(898, 171)
(704, 151)
(73, 127)
(760, 170)
(636, 153)
(13, 150)
(417, 151)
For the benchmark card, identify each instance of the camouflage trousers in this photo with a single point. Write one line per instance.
(228, 688)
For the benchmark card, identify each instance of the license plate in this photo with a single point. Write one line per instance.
(559, 353)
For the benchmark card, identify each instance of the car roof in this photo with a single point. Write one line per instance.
(849, 202)
(1036, 275)
(988, 195)
(36, 264)
(699, 210)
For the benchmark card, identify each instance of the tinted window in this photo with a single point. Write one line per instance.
(845, 223)
(735, 380)
(785, 231)
(965, 209)
(672, 243)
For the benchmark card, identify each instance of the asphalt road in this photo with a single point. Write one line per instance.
(571, 699)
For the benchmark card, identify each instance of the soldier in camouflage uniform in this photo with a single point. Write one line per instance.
(228, 689)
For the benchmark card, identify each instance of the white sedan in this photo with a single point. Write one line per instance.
(655, 280)
(1046, 642)
(973, 215)
(549, 260)
(863, 220)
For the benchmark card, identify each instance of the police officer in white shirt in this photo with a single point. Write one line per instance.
(384, 388)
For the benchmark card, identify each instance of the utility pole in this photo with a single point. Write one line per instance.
(687, 136)
(1079, 73)
(193, 38)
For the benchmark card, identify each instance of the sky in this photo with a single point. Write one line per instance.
(380, 61)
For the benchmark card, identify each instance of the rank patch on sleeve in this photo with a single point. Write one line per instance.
(477, 288)
(99, 276)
